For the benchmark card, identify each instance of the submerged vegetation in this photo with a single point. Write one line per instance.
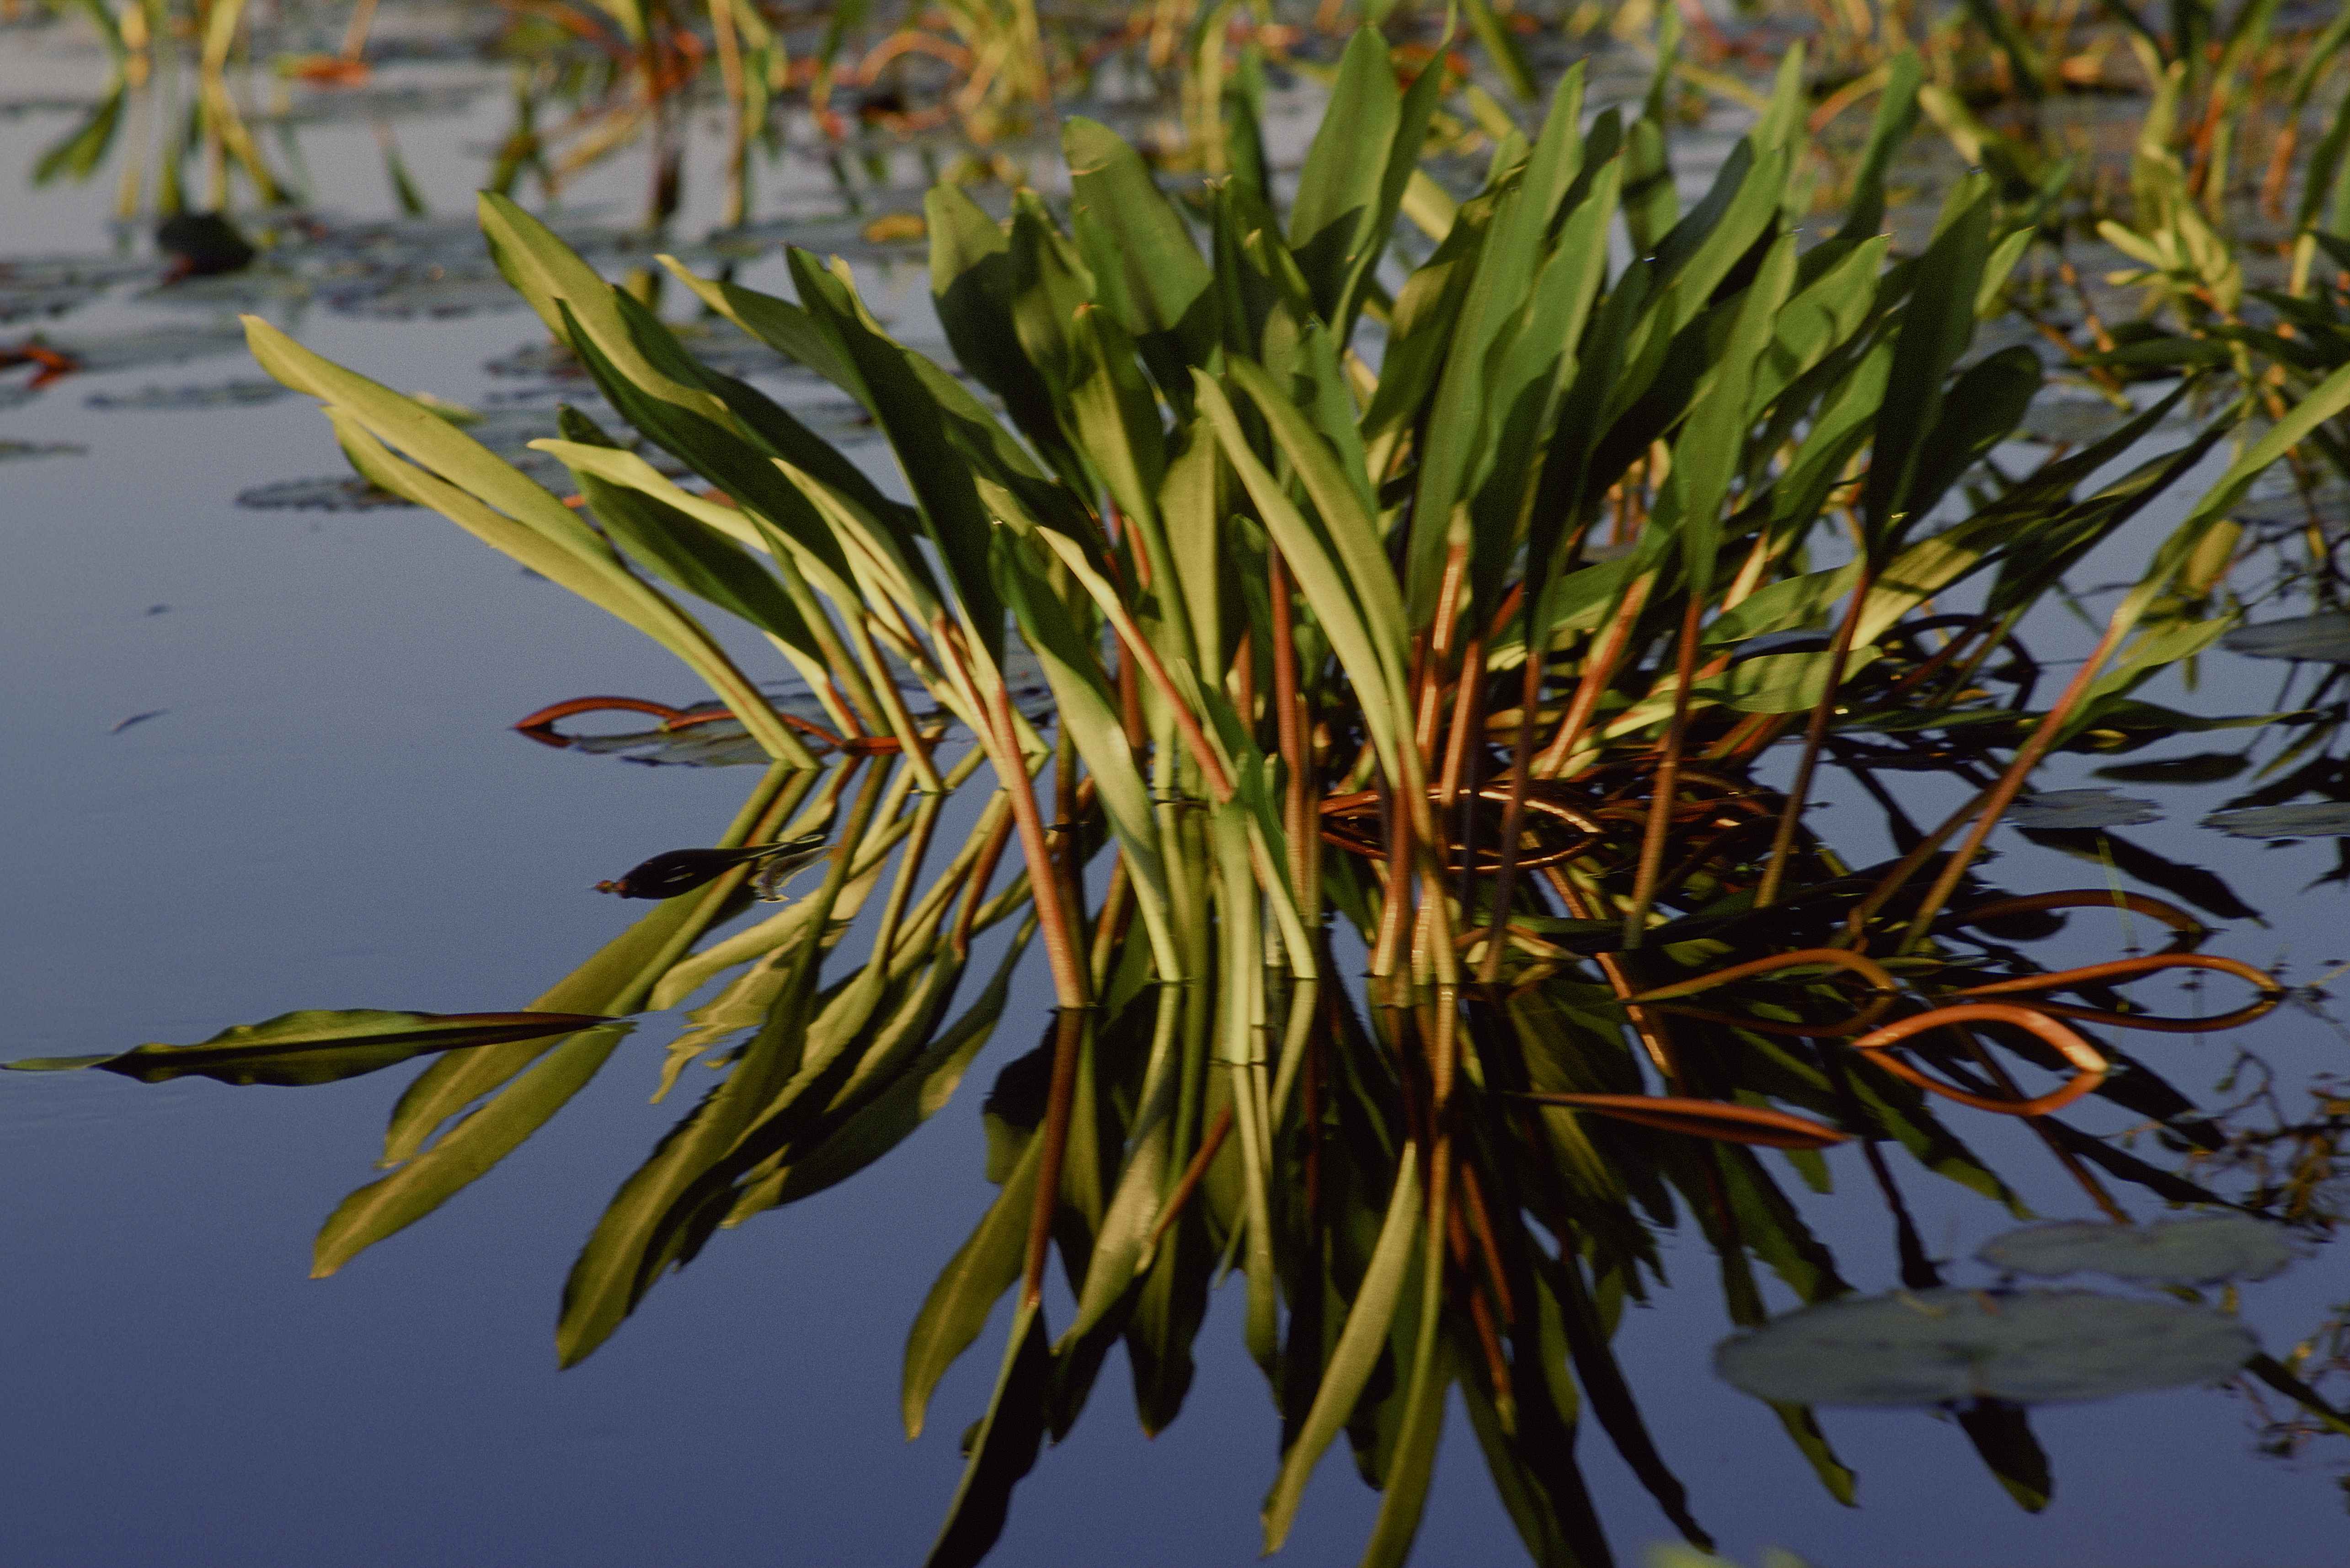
(1403, 666)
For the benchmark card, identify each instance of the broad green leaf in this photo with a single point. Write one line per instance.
(1333, 220)
(689, 555)
(77, 153)
(1983, 408)
(1787, 604)
(1707, 456)
(782, 326)
(549, 275)
(985, 1266)
(1936, 327)
(1823, 313)
(1413, 1464)
(1325, 585)
(907, 404)
(603, 582)
(1143, 258)
(489, 498)
(1003, 1446)
(465, 1152)
(1348, 522)
(971, 288)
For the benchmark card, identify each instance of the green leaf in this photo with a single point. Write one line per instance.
(920, 1091)
(1412, 1463)
(1706, 457)
(465, 481)
(1002, 1446)
(1378, 686)
(782, 326)
(77, 153)
(1334, 219)
(1788, 605)
(1143, 258)
(972, 286)
(318, 1046)
(617, 979)
(906, 403)
(1088, 714)
(549, 275)
(1936, 327)
(986, 1265)
(1361, 1343)
(1984, 406)
(1362, 156)
(643, 1226)
(688, 553)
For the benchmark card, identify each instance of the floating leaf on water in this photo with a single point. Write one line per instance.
(318, 1047)
(2203, 767)
(719, 743)
(2278, 505)
(164, 345)
(2309, 819)
(22, 303)
(354, 105)
(251, 288)
(12, 451)
(213, 395)
(2061, 809)
(682, 870)
(348, 493)
(2203, 1249)
(2071, 421)
(2323, 638)
(1932, 1347)
(435, 294)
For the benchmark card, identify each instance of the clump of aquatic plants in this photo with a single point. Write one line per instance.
(1442, 651)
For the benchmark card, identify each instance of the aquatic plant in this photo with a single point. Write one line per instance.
(1455, 666)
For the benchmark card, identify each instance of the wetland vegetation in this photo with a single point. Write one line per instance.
(1370, 612)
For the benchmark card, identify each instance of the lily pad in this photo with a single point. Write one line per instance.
(435, 293)
(2307, 819)
(327, 492)
(2203, 1249)
(13, 450)
(2056, 810)
(1934, 1347)
(160, 400)
(2323, 638)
